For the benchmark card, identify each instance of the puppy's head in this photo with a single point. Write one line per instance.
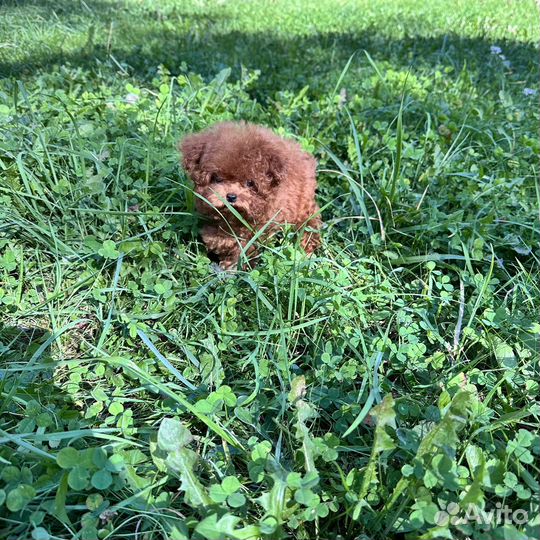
(242, 164)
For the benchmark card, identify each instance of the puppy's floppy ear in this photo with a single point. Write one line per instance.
(192, 148)
(276, 169)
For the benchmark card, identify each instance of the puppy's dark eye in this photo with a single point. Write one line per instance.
(250, 183)
(216, 179)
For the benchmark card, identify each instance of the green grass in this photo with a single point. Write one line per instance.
(354, 394)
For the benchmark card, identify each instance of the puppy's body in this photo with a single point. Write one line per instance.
(263, 177)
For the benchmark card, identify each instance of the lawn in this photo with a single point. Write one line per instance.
(386, 387)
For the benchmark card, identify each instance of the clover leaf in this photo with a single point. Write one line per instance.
(108, 250)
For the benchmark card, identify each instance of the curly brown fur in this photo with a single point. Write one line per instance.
(263, 177)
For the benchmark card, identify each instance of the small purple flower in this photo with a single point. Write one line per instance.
(495, 49)
(529, 92)
(507, 64)
(131, 99)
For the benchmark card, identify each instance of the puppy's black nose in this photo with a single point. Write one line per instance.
(231, 197)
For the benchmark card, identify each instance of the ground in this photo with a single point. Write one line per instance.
(385, 388)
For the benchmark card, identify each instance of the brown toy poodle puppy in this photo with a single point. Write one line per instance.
(264, 178)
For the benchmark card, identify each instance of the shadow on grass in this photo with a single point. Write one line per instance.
(24, 351)
(205, 44)
(26, 363)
